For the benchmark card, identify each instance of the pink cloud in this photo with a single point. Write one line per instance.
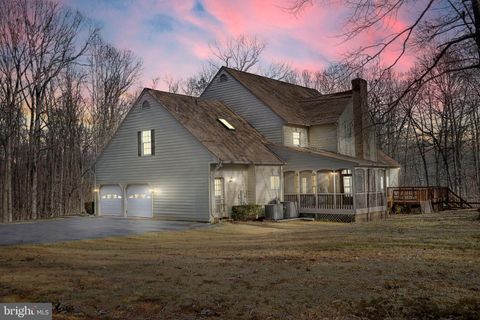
(306, 41)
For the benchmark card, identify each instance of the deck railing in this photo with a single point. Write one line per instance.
(442, 196)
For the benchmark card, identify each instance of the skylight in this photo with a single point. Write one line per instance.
(226, 124)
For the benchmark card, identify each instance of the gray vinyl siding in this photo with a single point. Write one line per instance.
(307, 161)
(179, 170)
(245, 104)
(345, 132)
(236, 184)
(264, 192)
(324, 137)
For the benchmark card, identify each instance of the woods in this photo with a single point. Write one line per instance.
(63, 92)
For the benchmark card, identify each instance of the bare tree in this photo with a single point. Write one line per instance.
(453, 26)
(281, 71)
(52, 34)
(241, 53)
(112, 74)
(13, 47)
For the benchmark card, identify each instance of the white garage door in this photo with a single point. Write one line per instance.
(139, 201)
(111, 200)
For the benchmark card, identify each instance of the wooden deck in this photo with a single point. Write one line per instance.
(440, 197)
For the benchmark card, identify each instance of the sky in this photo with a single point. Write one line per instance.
(172, 37)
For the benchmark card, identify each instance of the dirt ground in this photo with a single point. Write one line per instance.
(417, 266)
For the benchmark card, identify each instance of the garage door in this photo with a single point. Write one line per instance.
(139, 201)
(111, 200)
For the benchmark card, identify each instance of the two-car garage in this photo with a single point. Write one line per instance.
(138, 201)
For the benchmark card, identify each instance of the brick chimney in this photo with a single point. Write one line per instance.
(364, 130)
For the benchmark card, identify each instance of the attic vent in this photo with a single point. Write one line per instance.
(145, 105)
(223, 78)
(226, 124)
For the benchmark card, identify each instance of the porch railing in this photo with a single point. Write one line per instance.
(322, 200)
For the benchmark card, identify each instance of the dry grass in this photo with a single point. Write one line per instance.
(422, 266)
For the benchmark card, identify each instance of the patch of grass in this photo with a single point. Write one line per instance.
(422, 267)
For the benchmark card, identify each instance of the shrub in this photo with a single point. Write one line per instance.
(247, 212)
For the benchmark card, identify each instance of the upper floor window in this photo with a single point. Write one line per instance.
(146, 143)
(296, 138)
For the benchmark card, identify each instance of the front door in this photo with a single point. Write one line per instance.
(219, 197)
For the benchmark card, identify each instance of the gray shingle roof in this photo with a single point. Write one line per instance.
(293, 103)
(200, 118)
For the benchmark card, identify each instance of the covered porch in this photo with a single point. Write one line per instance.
(343, 194)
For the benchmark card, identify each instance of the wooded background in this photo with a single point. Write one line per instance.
(64, 91)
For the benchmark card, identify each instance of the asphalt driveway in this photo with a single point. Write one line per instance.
(79, 228)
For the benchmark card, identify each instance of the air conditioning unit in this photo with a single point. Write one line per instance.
(274, 211)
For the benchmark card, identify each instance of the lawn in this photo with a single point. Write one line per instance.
(418, 266)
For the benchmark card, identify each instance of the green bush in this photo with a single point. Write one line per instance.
(247, 212)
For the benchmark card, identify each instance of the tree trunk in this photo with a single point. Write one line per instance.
(7, 183)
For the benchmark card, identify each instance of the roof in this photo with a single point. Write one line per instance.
(383, 158)
(282, 97)
(326, 109)
(337, 156)
(200, 118)
(293, 103)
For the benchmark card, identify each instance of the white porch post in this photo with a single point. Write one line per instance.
(334, 190)
(354, 197)
(299, 187)
(316, 189)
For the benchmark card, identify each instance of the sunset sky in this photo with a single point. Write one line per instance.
(172, 37)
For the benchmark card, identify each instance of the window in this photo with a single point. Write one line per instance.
(111, 196)
(304, 185)
(139, 196)
(347, 184)
(145, 105)
(296, 139)
(146, 143)
(226, 124)
(218, 187)
(274, 182)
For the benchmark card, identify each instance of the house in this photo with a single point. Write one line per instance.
(184, 158)
(247, 139)
(333, 169)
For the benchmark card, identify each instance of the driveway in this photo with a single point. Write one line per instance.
(79, 228)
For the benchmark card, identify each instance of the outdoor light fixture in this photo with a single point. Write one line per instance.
(95, 190)
(154, 190)
(232, 179)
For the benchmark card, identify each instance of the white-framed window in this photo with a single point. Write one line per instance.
(296, 138)
(347, 184)
(275, 182)
(218, 187)
(304, 184)
(146, 143)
